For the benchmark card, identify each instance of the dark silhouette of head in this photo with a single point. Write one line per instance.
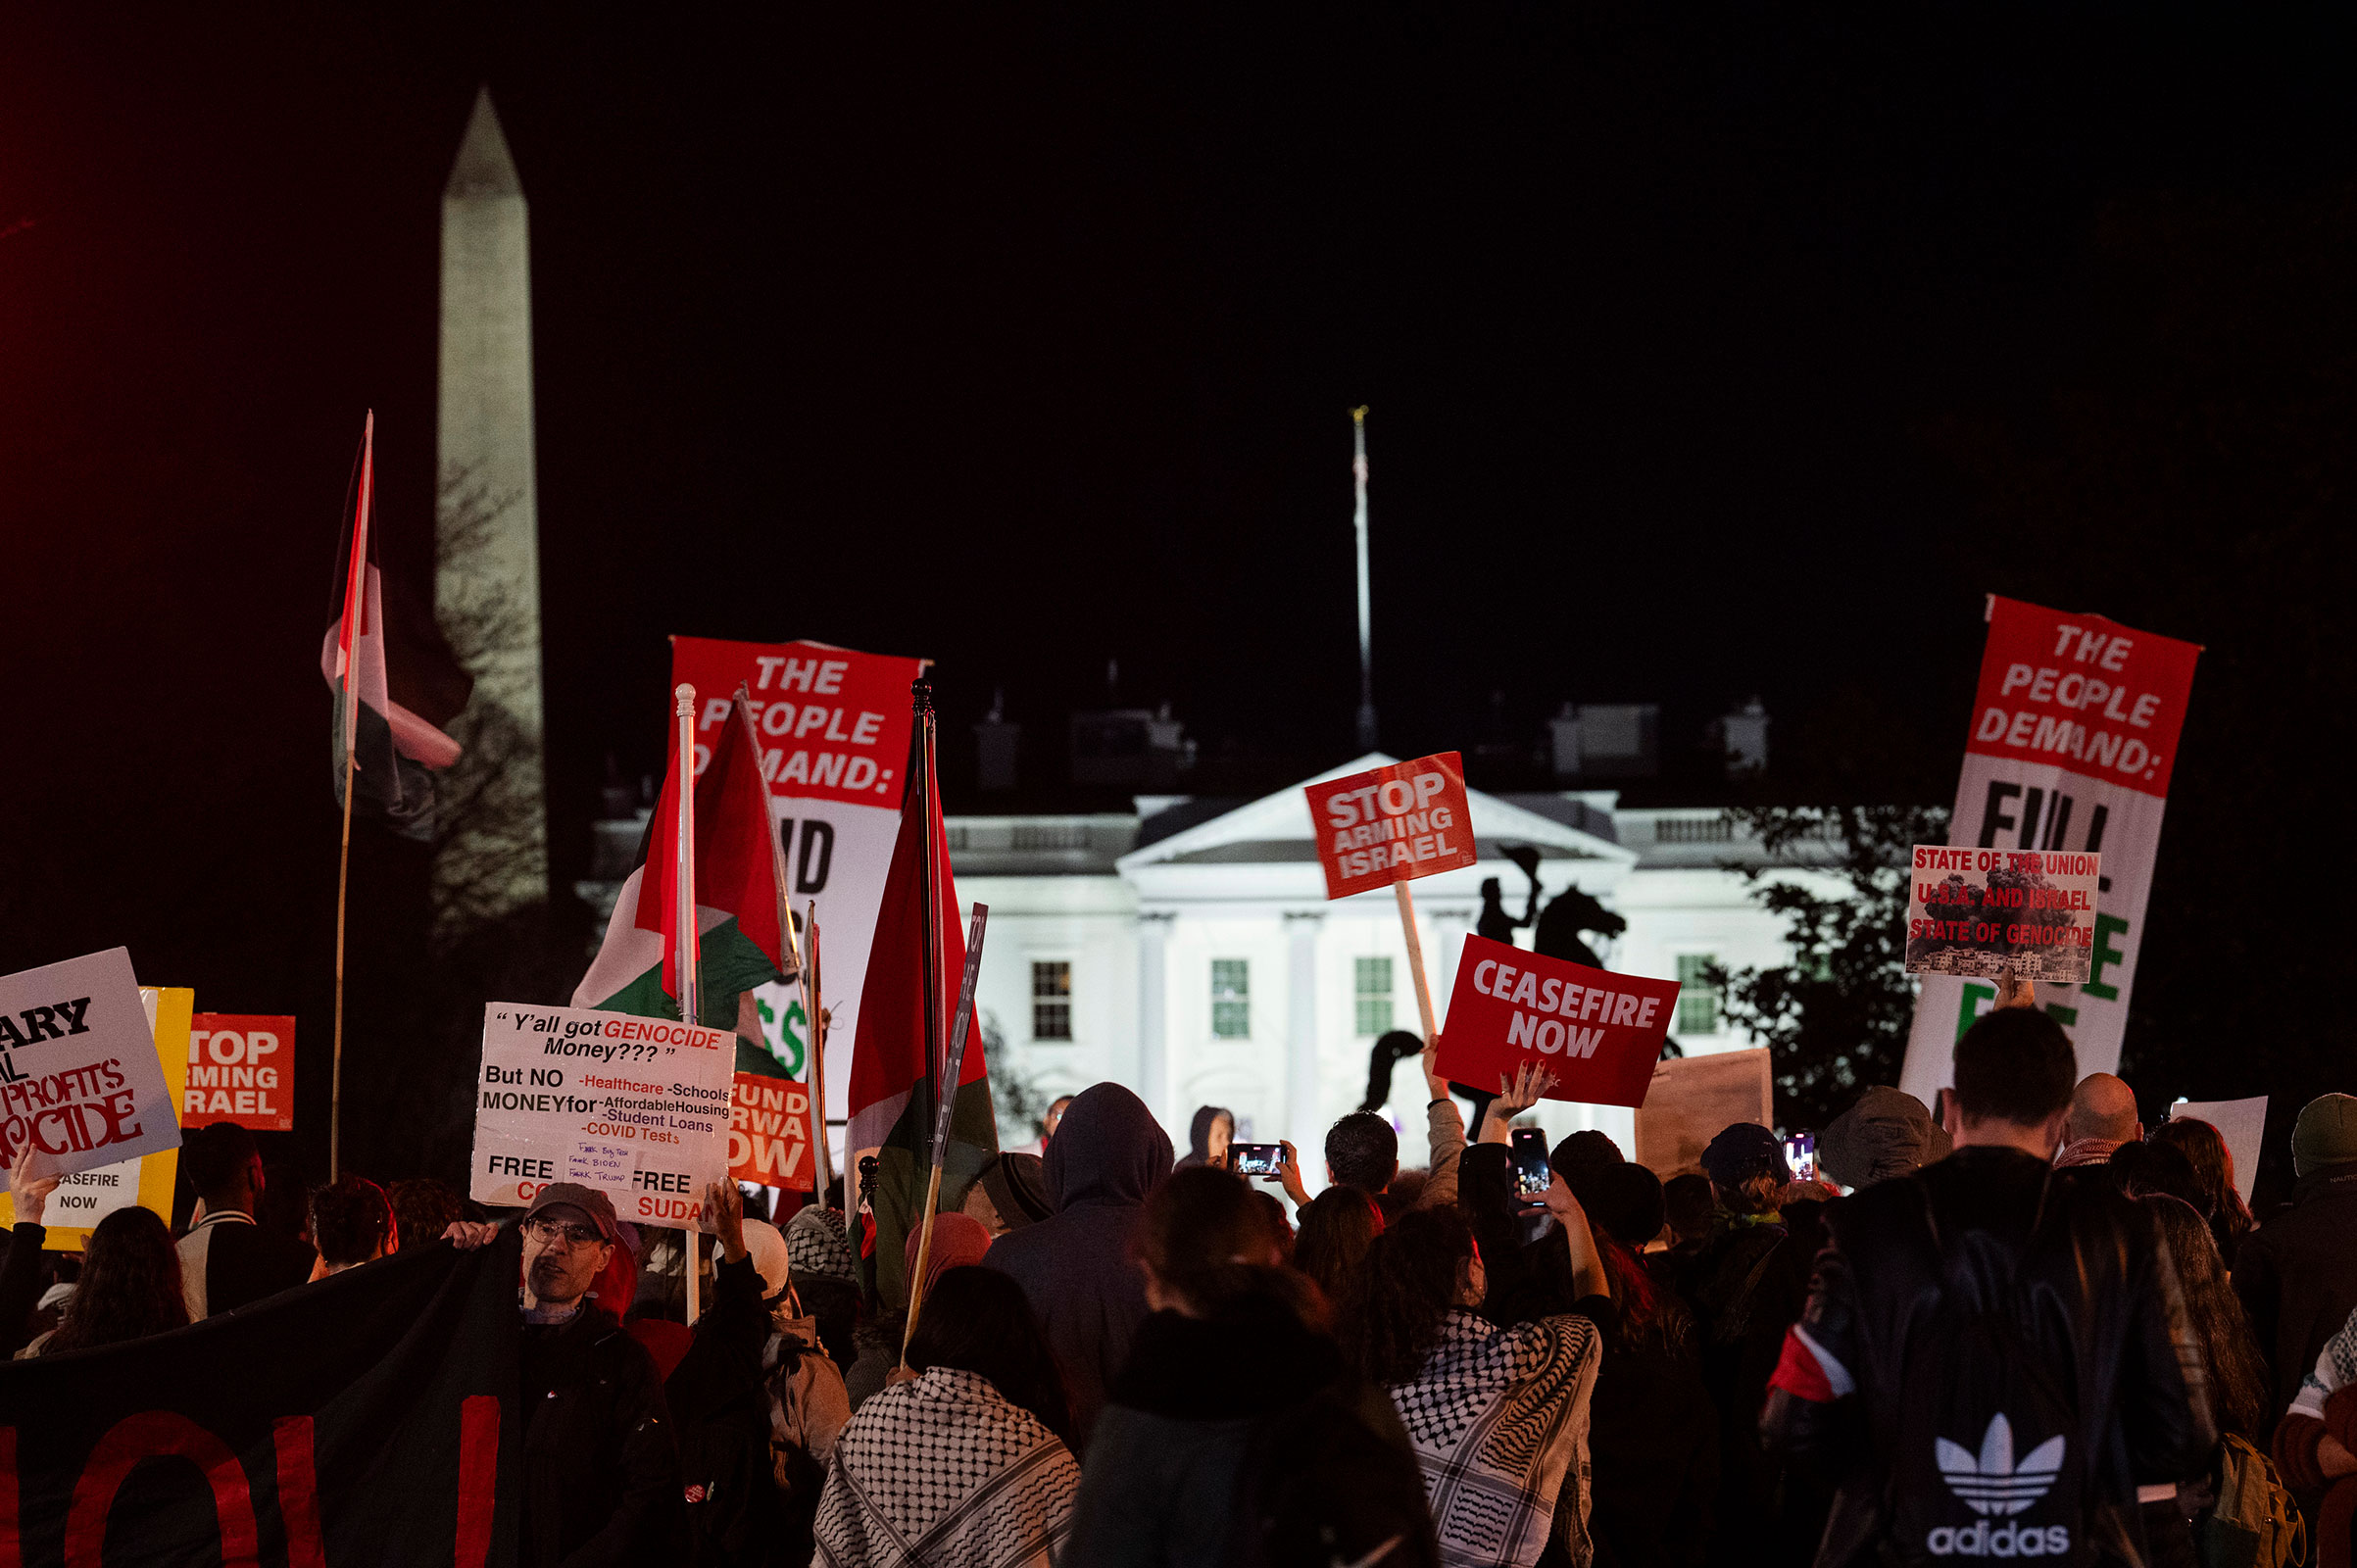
(977, 1320)
(1362, 1151)
(2015, 1065)
(1416, 1271)
(130, 1285)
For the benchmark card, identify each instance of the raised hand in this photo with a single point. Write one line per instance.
(31, 1192)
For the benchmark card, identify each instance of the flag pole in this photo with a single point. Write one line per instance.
(920, 695)
(825, 1159)
(355, 607)
(945, 1102)
(687, 957)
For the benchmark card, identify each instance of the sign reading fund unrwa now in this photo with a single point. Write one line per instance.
(1597, 1032)
(1392, 824)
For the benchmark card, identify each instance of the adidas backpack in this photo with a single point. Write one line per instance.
(1985, 1461)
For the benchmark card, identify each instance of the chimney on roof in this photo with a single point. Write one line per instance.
(1743, 737)
(996, 743)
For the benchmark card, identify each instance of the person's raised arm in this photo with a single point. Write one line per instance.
(1532, 1080)
(1444, 1129)
(21, 1275)
(1587, 1276)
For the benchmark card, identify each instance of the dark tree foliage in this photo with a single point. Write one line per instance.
(1836, 1017)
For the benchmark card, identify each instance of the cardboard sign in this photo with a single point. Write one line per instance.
(769, 1132)
(636, 1106)
(834, 729)
(87, 1197)
(2243, 1123)
(2072, 744)
(79, 1078)
(1984, 911)
(1695, 1099)
(241, 1068)
(1599, 1033)
(1392, 824)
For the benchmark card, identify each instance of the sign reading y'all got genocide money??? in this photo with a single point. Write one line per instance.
(1987, 911)
(635, 1106)
(79, 1078)
(1392, 824)
(1599, 1033)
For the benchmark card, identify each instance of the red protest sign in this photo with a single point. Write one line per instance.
(2089, 695)
(833, 723)
(1392, 824)
(1599, 1033)
(241, 1068)
(769, 1132)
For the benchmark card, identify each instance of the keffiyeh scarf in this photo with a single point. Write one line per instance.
(943, 1472)
(1498, 1417)
(2335, 1369)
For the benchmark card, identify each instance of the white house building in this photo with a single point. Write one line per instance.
(1187, 950)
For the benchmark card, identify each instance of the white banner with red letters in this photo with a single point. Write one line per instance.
(2074, 736)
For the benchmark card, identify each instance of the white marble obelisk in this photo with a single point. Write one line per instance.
(487, 581)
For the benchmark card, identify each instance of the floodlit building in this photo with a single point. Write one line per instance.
(1185, 948)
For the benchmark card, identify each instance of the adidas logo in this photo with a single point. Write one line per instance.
(1994, 1484)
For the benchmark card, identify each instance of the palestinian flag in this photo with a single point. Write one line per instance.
(892, 1069)
(736, 898)
(396, 683)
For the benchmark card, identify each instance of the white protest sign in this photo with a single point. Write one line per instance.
(636, 1107)
(79, 1078)
(2243, 1123)
(1986, 911)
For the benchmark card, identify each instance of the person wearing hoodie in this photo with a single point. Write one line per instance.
(1076, 1266)
(1209, 1136)
(1237, 1433)
(1887, 1132)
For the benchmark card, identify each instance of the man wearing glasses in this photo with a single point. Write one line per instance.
(601, 1472)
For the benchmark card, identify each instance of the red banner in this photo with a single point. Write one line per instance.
(1392, 824)
(241, 1068)
(834, 723)
(769, 1132)
(2083, 693)
(1599, 1033)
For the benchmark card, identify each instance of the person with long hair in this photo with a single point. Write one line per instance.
(1236, 1432)
(1331, 1246)
(2212, 1164)
(2237, 1375)
(965, 1465)
(130, 1286)
(1499, 1416)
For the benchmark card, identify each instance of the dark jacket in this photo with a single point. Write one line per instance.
(2298, 1277)
(20, 1284)
(1748, 1285)
(242, 1262)
(600, 1475)
(2094, 1299)
(1243, 1440)
(721, 1418)
(1076, 1266)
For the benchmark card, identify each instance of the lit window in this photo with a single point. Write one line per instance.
(1231, 999)
(1374, 995)
(1051, 1001)
(1698, 997)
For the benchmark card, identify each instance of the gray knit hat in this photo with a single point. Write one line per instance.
(816, 1247)
(1887, 1132)
(2326, 1133)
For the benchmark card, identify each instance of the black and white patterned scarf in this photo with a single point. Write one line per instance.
(1498, 1418)
(945, 1473)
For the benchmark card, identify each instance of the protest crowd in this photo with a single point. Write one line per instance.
(2019, 1296)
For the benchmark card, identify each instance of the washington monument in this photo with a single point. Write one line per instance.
(494, 853)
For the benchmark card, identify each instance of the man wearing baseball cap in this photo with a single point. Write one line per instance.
(601, 1471)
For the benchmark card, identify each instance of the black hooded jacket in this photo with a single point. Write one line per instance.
(1198, 1134)
(2085, 1273)
(1076, 1266)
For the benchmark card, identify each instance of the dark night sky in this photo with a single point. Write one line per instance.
(1023, 338)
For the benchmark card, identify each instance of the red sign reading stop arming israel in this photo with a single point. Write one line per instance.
(1599, 1033)
(1392, 824)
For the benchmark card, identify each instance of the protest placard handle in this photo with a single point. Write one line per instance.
(1415, 958)
(687, 952)
(335, 1071)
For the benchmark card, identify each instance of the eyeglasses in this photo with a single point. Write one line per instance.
(549, 1232)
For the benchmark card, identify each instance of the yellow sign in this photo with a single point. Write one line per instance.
(81, 1200)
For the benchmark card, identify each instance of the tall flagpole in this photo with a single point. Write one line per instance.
(1367, 605)
(356, 610)
(686, 950)
(816, 1023)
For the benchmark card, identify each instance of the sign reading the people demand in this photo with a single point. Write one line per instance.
(1990, 912)
(241, 1069)
(1392, 824)
(2072, 741)
(1599, 1033)
(834, 733)
(79, 1078)
(637, 1106)
(769, 1132)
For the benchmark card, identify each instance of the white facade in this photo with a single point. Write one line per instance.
(1151, 913)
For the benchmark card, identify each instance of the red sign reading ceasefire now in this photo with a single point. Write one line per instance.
(1392, 824)
(1599, 1033)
